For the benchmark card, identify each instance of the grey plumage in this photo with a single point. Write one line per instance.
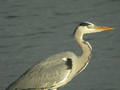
(49, 76)
(59, 69)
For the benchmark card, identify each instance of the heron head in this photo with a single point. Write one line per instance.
(87, 27)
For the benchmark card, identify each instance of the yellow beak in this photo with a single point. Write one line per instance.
(103, 28)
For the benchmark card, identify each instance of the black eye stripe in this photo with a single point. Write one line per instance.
(81, 24)
(84, 24)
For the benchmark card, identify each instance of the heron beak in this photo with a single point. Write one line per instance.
(103, 28)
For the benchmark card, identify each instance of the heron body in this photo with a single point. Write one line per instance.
(59, 69)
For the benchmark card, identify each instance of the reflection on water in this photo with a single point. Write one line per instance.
(32, 30)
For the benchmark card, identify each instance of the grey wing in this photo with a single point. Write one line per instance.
(47, 74)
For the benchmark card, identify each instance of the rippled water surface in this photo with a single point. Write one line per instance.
(31, 30)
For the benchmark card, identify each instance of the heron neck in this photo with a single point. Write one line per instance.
(85, 46)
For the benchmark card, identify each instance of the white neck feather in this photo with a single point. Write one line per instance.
(85, 46)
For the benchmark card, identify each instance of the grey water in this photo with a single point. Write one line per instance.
(31, 30)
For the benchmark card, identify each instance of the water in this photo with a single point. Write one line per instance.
(31, 30)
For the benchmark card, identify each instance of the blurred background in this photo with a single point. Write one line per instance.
(31, 30)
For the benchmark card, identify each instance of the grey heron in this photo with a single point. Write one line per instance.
(61, 68)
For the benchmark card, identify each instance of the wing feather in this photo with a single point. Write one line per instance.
(44, 75)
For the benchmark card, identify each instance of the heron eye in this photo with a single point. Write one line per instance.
(90, 26)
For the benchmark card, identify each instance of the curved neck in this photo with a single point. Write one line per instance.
(85, 46)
